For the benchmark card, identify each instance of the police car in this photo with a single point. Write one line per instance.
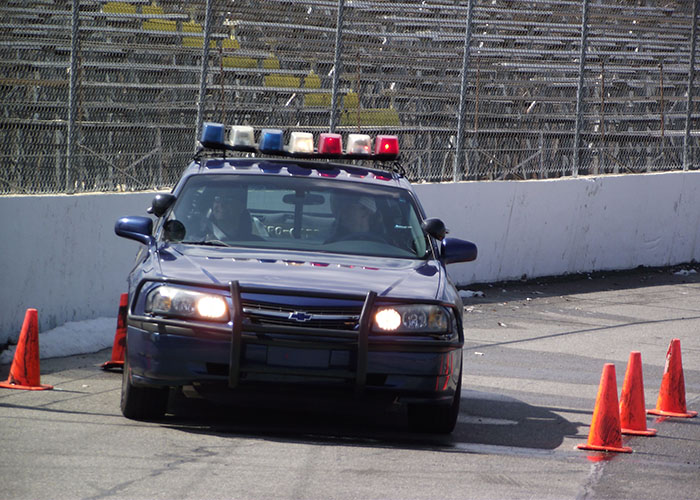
(294, 269)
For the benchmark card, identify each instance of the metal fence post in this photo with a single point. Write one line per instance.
(579, 90)
(337, 66)
(203, 75)
(463, 94)
(72, 96)
(687, 157)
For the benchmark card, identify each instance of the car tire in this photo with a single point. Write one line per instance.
(434, 418)
(141, 403)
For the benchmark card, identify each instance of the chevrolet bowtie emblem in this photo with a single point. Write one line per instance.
(300, 316)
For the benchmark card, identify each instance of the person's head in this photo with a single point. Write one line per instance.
(225, 206)
(356, 213)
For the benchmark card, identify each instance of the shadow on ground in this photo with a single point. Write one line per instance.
(485, 419)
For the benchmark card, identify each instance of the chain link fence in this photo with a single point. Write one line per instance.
(108, 95)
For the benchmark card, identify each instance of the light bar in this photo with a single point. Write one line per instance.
(301, 144)
(212, 134)
(271, 141)
(330, 144)
(242, 136)
(359, 144)
(386, 145)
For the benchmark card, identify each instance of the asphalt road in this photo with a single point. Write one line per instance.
(534, 355)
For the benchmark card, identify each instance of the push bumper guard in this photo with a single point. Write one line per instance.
(244, 333)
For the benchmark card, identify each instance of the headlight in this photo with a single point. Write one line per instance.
(411, 319)
(171, 301)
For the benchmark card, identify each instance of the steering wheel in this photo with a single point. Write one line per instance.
(361, 236)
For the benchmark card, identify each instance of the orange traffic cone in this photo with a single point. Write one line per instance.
(671, 401)
(24, 372)
(117, 361)
(605, 433)
(633, 418)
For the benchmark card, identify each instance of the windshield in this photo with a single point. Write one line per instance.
(292, 213)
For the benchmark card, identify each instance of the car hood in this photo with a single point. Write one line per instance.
(308, 272)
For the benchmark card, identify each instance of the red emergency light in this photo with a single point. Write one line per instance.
(330, 144)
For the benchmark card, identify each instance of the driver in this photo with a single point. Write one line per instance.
(228, 219)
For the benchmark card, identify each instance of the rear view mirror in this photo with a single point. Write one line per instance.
(161, 203)
(307, 199)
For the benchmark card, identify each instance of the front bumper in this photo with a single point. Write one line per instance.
(163, 352)
(166, 359)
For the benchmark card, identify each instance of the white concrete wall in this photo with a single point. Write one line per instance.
(59, 253)
(555, 227)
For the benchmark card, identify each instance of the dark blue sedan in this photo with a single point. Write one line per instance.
(273, 276)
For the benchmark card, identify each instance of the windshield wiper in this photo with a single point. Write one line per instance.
(211, 243)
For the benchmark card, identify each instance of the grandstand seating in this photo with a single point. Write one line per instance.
(140, 66)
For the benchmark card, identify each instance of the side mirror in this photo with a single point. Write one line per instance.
(456, 250)
(135, 228)
(161, 203)
(435, 228)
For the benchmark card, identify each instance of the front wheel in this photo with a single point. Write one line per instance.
(434, 418)
(141, 403)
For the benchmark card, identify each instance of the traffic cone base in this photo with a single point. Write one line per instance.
(24, 372)
(117, 361)
(592, 447)
(40, 387)
(671, 401)
(113, 365)
(605, 432)
(636, 432)
(633, 419)
(662, 413)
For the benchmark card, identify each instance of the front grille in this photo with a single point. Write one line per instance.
(307, 317)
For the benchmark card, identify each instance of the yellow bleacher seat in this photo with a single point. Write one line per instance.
(239, 62)
(271, 63)
(351, 100)
(231, 43)
(119, 8)
(192, 27)
(282, 81)
(159, 25)
(369, 117)
(318, 99)
(196, 42)
(152, 9)
(312, 81)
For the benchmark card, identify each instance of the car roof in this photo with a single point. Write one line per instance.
(296, 167)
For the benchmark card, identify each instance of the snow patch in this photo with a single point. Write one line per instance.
(75, 337)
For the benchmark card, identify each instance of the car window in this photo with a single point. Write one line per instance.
(302, 214)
